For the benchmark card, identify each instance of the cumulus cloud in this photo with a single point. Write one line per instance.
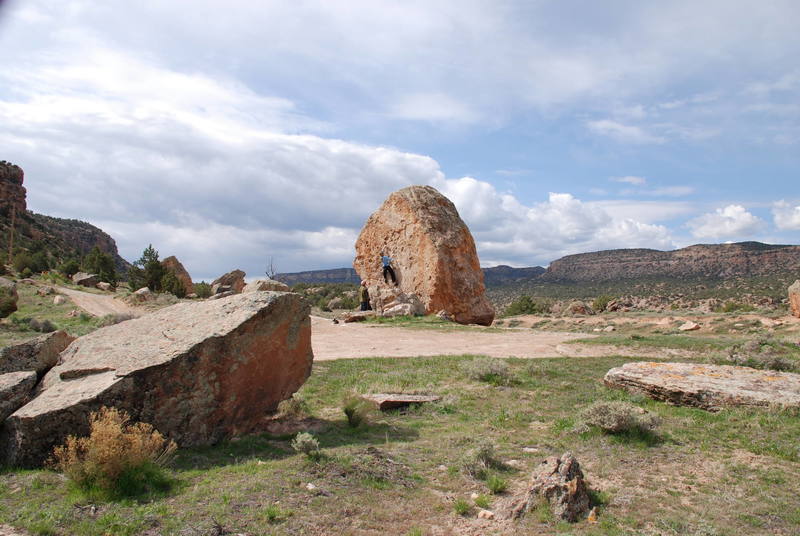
(732, 221)
(786, 216)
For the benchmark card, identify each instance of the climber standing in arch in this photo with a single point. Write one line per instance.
(387, 268)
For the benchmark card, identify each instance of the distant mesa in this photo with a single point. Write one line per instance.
(433, 255)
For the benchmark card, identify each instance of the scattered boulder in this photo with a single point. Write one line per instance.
(8, 297)
(433, 254)
(15, 390)
(384, 401)
(85, 280)
(560, 482)
(199, 372)
(45, 291)
(689, 326)
(39, 354)
(357, 316)
(234, 280)
(172, 263)
(794, 298)
(392, 302)
(102, 285)
(609, 329)
(578, 308)
(143, 294)
(266, 284)
(444, 315)
(59, 300)
(709, 387)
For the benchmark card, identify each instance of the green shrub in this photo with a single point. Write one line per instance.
(26, 272)
(357, 410)
(118, 459)
(69, 267)
(3, 269)
(525, 305)
(461, 507)
(482, 501)
(496, 484)
(734, 307)
(202, 289)
(8, 302)
(42, 326)
(601, 302)
(619, 417)
(295, 408)
(147, 271)
(102, 264)
(307, 444)
(763, 353)
(487, 369)
(32, 262)
(478, 460)
(170, 283)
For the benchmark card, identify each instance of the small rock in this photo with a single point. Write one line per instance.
(474, 495)
(442, 468)
(45, 291)
(85, 280)
(485, 514)
(609, 329)
(102, 285)
(689, 326)
(514, 463)
(59, 300)
(592, 517)
(311, 487)
(530, 450)
(560, 481)
(597, 329)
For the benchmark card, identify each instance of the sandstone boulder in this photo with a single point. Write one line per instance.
(578, 308)
(102, 285)
(433, 254)
(39, 354)
(560, 482)
(357, 316)
(172, 263)
(266, 284)
(45, 291)
(200, 372)
(794, 298)
(234, 280)
(59, 300)
(709, 387)
(15, 390)
(689, 326)
(85, 280)
(143, 294)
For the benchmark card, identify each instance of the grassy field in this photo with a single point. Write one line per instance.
(736, 472)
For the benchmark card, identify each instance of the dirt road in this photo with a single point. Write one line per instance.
(98, 304)
(333, 341)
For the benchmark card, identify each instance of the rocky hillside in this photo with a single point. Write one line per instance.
(63, 238)
(712, 261)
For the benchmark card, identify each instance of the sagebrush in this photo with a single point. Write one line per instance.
(619, 417)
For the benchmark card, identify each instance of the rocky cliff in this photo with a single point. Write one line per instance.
(711, 261)
(62, 237)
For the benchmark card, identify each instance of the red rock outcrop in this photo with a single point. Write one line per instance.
(172, 263)
(233, 280)
(200, 372)
(794, 298)
(433, 254)
(12, 193)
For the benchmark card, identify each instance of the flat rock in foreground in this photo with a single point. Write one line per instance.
(199, 372)
(709, 387)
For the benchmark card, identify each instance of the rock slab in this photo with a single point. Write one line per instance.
(15, 388)
(172, 263)
(560, 482)
(386, 401)
(85, 280)
(199, 372)
(794, 298)
(233, 280)
(433, 254)
(710, 387)
(39, 354)
(266, 284)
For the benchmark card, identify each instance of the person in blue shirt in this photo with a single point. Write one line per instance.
(387, 268)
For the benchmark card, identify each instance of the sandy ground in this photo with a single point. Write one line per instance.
(98, 304)
(334, 341)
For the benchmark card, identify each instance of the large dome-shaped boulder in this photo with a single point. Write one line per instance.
(432, 251)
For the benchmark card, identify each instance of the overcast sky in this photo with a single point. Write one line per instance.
(228, 132)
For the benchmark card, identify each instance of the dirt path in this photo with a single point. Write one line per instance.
(334, 341)
(98, 304)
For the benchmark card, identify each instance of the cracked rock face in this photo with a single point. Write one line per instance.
(199, 372)
(433, 254)
(560, 482)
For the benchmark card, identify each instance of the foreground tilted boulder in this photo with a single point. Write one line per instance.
(794, 298)
(433, 255)
(199, 372)
(709, 387)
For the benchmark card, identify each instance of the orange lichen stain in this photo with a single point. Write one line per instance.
(771, 378)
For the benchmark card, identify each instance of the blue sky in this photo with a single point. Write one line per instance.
(226, 133)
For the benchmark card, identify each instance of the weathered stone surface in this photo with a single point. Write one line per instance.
(102, 285)
(578, 308)
(709, 387)
(559, 481)
(199, 372)
(12, 193)
(357, 316)
(59, 300)
(386, 401)
(172, 263)
(266, 284)
(38, 354)
(794, 298)
(15, 390)
(433, 254)
(391, 301)
(234, 280)
(45, 291)
(689, 326)
(223, 294)
(85, 280)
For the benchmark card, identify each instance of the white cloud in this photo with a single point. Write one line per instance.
(432, 107)
(623, 133)
(786, 216)
(630, 179)
(732, 221)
